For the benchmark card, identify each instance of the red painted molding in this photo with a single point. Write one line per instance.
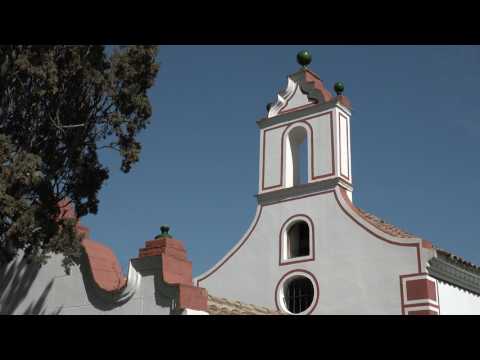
(407, 307)
(419, 293)
(311, 150)
(347, 177)
(281, 112)
(422, 312)
(332, 151)
(349, 154)
(421, 289)
(263, 162)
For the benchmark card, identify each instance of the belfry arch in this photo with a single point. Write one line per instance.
(298, 151)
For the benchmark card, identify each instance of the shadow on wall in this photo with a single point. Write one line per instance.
(16, 279)
(98, 298)
(164, 294)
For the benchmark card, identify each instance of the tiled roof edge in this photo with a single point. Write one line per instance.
(443, 269)
(222, 306)
(395, 231)
(383, 225)
(458, 261)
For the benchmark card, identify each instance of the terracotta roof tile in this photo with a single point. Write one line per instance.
(457, 260)
(310, 76)
(222, 306)
(105, 267)
(383, 225)
(394, 231)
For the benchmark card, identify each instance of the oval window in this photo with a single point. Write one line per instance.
(298, 294)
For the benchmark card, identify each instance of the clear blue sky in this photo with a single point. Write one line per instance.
(415, 133)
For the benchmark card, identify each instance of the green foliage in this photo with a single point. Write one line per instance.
(59, 106)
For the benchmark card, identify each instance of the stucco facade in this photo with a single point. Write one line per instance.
(356, 263)
(159, 282)
(457, 301)
(307, 242)
(356, 267)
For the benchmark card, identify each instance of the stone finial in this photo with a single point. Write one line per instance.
(304, 58)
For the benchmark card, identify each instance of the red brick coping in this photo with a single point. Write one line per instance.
(176, 269)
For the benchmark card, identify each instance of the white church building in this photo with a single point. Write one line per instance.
(308, 250)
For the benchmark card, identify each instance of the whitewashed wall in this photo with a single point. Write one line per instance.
(456, 301)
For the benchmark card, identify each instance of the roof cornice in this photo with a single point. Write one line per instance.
(299, 191)
(445, 270)
(311, 110)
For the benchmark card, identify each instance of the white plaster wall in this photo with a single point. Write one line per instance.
(52, 291)
(272, 167)
(134, 307)
(349, 150)
(322, 145)
(290, 157)
(194, 312)
(456, 301)
(344, 146)
(23, 290)
(297, 99)
(357, 272)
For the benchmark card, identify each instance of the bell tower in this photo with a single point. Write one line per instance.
(305, 111)
(309, 249)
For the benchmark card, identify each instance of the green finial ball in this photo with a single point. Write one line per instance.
(339, 87)
(164, 229)
(304, 58)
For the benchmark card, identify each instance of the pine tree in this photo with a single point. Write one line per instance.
(59, 106)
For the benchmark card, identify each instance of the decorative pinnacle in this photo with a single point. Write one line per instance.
(339, 88)
(164, 229)
(304, 58)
